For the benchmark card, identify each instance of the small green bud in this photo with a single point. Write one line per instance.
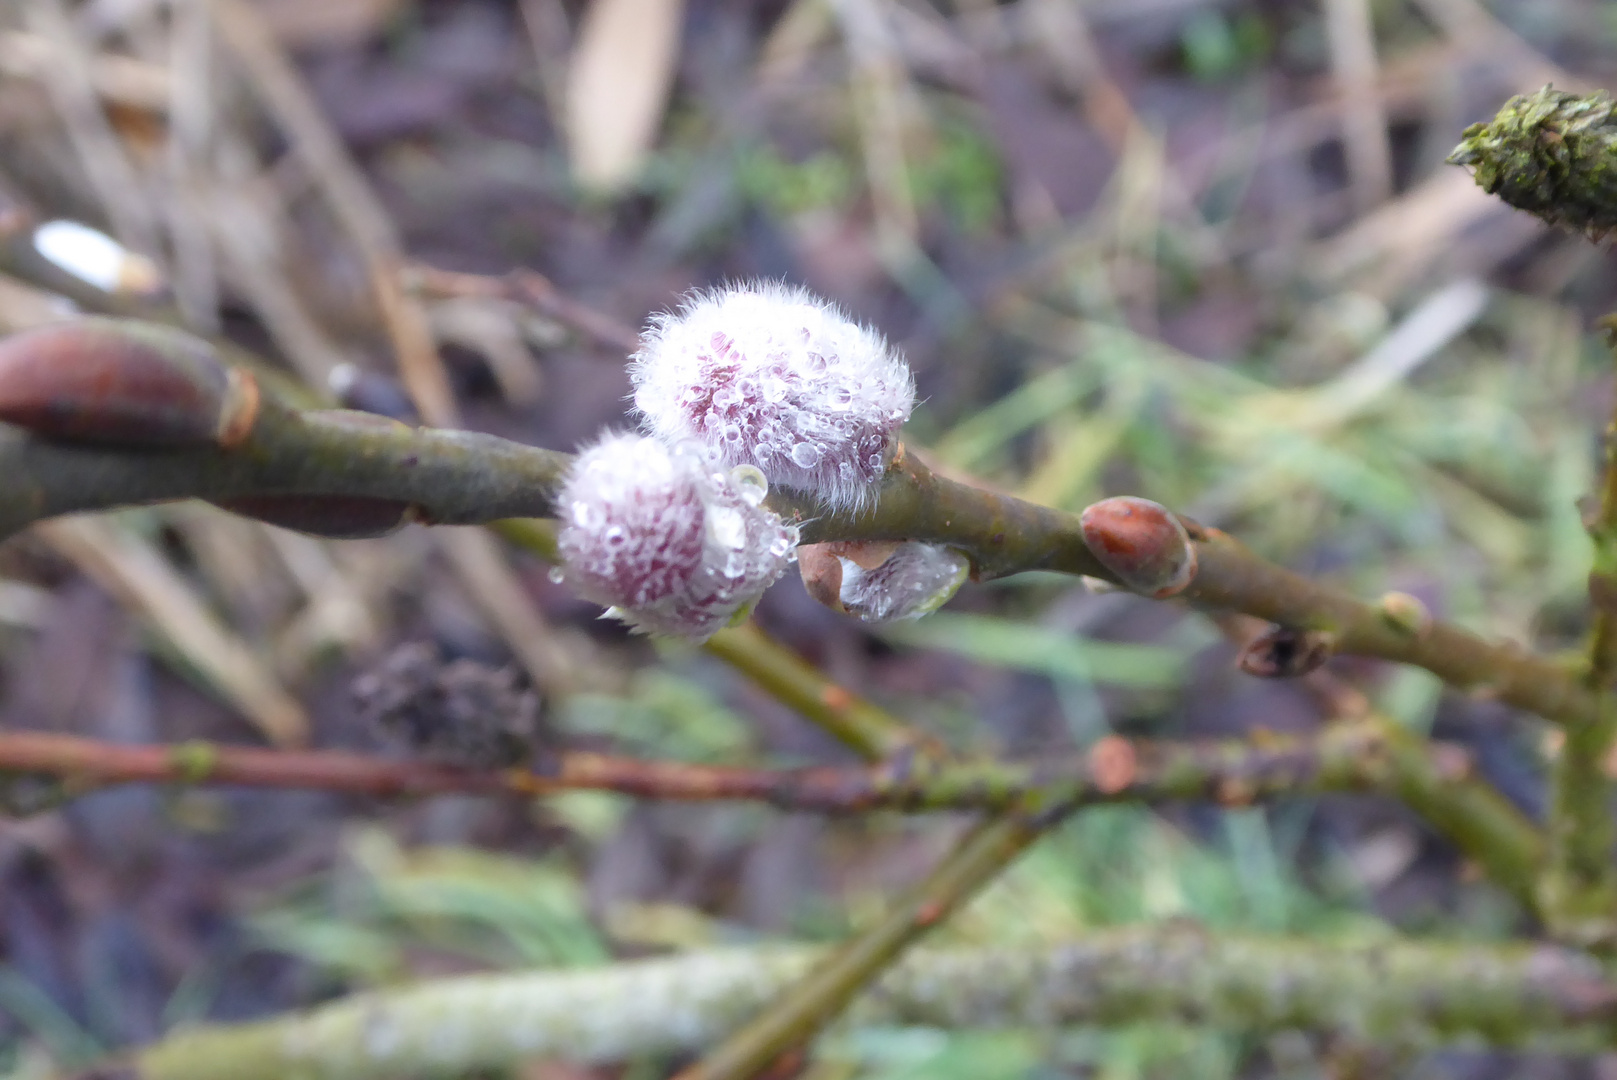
(1553, 154)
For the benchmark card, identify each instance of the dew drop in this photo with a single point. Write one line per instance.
(727, 527)
(806, 455)
(557, 575)
(751, 483)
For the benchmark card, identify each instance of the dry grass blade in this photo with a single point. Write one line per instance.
(190, 131)
(1364, 120)
(107, 167)
(880, 92)
(117, 78)
(132, 570)
(243, 226)
(355, 206)
(618, 80)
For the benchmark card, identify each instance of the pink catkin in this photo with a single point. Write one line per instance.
(771, 376)
(666, 538)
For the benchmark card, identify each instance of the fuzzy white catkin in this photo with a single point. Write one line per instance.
(916, 580)
(666, 538)
(769, 375)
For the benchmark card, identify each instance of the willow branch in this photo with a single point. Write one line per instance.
(1004, 535)
(455, 477)
(1405, 993)
(450, 477)
(461, 478)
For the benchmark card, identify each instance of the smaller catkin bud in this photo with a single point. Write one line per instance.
(771, 376)
(120, 381)
(883, 581)
(666, 538)
(1143, 543)
(1551, 153)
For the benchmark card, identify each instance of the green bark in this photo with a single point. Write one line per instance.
(1401, 993)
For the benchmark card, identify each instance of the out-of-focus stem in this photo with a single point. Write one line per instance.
(820, 996)
(1396, 992)
(867, 728)
(1579, 890)
(1371, 755)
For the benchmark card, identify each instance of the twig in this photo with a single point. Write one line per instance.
(1408, 993)
(461, 478)
(1347, 757)
(1580, 886)
(1004, 535)
(452, 477)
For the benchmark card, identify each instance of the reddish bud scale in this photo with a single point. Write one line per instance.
(1141, 542)
(339, 517)
(116, 381)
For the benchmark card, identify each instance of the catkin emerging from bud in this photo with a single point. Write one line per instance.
(916, 580)
(771, 376)
(1553, 154)
(667, 539)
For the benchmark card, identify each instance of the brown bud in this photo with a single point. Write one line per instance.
(340, 517)
(119, 381)
(1143, 543)
(822, 574)
(1285, 652)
